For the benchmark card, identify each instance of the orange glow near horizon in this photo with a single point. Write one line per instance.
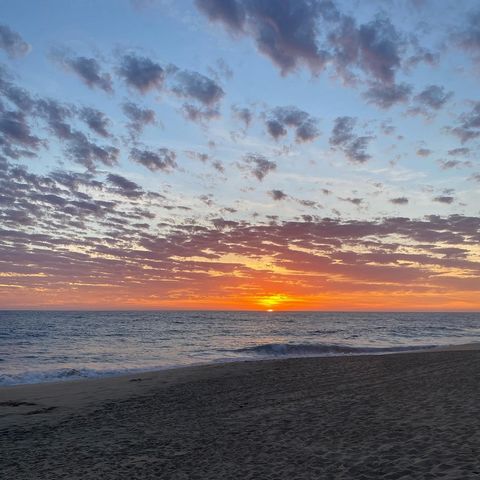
(104, 298)
(288, 278)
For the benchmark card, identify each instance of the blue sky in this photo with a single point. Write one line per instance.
(356, 111)
(177, 33)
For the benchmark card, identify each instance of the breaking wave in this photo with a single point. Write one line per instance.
(62, 374)
(308, 349)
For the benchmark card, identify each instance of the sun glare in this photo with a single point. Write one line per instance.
(271, 301)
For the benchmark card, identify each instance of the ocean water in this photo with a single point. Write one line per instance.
(55, 346)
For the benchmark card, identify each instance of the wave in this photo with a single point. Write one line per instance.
(256, 352)
(309, 349)
(58, 375)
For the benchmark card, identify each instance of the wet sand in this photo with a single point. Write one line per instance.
(409, 416)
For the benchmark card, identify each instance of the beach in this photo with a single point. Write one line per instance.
(408, 415)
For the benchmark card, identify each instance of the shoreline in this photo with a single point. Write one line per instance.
(279, 357)
(406, 414)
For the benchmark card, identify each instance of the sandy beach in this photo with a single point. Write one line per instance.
(411, 415)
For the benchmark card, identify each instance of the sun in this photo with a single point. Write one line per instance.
(270, 301)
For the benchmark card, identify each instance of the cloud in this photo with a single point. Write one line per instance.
(230, 12)
(342, 132)
(87, 153)
(13, 44)
(285, 32)
(399, 200)
(74, 180)
(379, 45)
(124, 186)
(141, 73)
(469, 37)
(343, 137)
(203, 157)
(281, 118)
(15, 130)
(160, 159)
(469, 124)
(221, 70)
(444, 199)
(432, 98)
(275, 128)
(88, 70)
(15, 94)
(199, 114)
(459, 151)
(217, 165)
(195, 86)
(374, 48)
(139, 117)
(77, 145)
(203, 95)
(420, 55)
(449, 164)
(424, 152)
(356, 150)
(260, 165)
(315, 34)
(385, 96)
(353, 200)
(244, 114)
(118, 243)
(278, 195)
(308, 203)
(56, 115)
(96, 120)
(54, 202)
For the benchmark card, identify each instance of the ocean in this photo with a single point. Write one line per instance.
(47, 346)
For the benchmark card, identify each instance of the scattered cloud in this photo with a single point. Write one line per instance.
(139, 117)
(160, 159)
(260, 166)
(244, 114)
(280, 119)
(444, 199)
(141, 73)
(386, 96)
(343, 137)
(12, 43)
(449, 164)
(97, 121)
(424, 152)
(469, 124)
(278, 195)
(124, 186)
(431, 99)
(87, 69)
(286, 33)
(468, 37)
(399, 200)
(195, 86)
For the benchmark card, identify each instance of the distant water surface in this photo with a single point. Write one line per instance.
(51, 346)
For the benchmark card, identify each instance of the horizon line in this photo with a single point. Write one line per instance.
(30, 309)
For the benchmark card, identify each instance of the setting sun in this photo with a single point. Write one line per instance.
(274, 300)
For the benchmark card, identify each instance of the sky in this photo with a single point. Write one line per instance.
(240, 154)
